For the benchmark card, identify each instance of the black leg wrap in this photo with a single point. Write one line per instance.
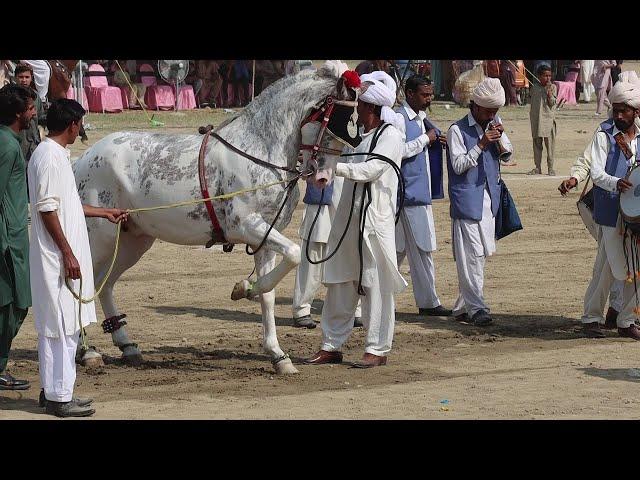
(112, 324)
(279, 359)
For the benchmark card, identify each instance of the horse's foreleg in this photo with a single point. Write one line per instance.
(253, 231)
(265, 261)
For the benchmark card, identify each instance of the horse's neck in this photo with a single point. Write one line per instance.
(276, 125)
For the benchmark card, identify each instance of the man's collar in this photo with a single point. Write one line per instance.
(10, 130)
(411, 113)
(615, 130)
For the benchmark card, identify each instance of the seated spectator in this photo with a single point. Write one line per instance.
(122, 78)
(209, 81)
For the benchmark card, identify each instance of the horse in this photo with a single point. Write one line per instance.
(59, 83)
(133, 170)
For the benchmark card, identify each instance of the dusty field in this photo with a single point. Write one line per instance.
(203, 352)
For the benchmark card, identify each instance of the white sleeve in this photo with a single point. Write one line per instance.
(390, 145)
(415, 146)
(47, 183)
(461, 160)
(599, 149)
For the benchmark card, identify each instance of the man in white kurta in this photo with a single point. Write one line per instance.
(309, 275)
(601, 80)
(380, 276)
(600, 287)
(59, 247)
(41, 76)
(472, 240)
(610, 261)
(586, 70)
(415, 231)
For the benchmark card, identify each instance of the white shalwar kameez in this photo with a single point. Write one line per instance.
(610, 262)
(52, 187)
(472, 241)
(309, 275)
(381, 278)
(586, 71)
(41, 76)
(415, 231)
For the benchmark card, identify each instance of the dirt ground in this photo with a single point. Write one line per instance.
(203, 351)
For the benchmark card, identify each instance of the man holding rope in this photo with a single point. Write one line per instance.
(59, 247)
(380, 278)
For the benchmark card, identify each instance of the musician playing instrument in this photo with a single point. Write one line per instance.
(613, 150)
(595, 299)
(474, 192)
(542, 118)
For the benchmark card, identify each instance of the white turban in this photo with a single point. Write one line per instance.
(627, 93)
(382, 91)
(488, 93)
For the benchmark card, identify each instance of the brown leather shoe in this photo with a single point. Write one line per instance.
(611, 320)
(370, 360)
(630, 332)
(593, 330)
(323, 357)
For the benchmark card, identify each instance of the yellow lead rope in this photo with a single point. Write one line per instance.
(225, 196)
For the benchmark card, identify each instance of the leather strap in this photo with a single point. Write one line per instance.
(217, 230)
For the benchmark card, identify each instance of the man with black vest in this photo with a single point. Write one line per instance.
(415, 231)
(474, 192)
(613, 150)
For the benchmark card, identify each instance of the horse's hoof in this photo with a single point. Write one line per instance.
(241, 290)
(285, 367)
(92, 359)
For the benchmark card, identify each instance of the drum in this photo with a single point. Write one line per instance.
(630, 202)
(585, 209)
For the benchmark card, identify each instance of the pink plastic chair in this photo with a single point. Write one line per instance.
(157, 96)
(566, 92)
(187, 98)
(100, 96)
(71, 94)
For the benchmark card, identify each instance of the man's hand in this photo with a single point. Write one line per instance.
(443, 140)
(432, 135)
(567, 185)
(489, 137)
(624, 185)
(71, 265)
(115, 215)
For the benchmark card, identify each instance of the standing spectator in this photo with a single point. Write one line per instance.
(616, 71)
(30, 137)
(601, 79)
(586, 71)
(508, 81)
(241, 77)
(17, 109)
(542, 118)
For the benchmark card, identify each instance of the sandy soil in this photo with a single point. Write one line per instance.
(203, 352)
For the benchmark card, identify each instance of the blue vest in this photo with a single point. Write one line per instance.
(414, 169)
(466, 191)
(435, 163)
(605, 203)
(312, 195)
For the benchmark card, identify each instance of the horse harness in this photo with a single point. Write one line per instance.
(218, 236)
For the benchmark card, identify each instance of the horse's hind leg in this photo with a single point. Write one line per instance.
(265, 261)
(132, 247)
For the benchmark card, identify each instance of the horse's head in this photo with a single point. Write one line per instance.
(330, 128)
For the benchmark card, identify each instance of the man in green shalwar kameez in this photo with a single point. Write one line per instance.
(17, 109)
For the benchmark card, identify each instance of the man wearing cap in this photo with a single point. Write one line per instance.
(474, 192)
(380, 278)
(613, 150)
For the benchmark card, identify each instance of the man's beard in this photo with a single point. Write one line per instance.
(622, 126)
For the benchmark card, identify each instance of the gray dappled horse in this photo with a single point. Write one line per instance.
(133, 170)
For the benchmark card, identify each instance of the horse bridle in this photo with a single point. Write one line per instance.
(325, 108)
